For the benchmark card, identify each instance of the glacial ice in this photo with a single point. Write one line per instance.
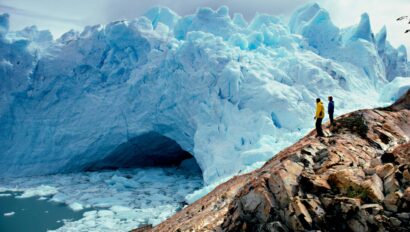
(9, 214)
(229, 92)
(118, 200)
(395, 89)
(42, 191)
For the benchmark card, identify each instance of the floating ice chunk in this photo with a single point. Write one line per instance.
(76, 206)
(41, 191)
(9, 214)
(105, 213)
(59, 197)
(157, 194)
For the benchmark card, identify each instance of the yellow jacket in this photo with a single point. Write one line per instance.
(320, 110)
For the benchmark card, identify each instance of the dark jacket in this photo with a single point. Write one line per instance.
(331, 107)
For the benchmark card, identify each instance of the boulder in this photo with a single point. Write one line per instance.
(374, 188)
(372, 209)
(345, 181)
(406, 194)
(385, 170)
(357, 225)
(395, 221)
(404, 216)
(390, 184)
(390, 202)
(302, 213)
(406, 175)
(313, 183)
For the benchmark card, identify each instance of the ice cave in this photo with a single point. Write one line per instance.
(147, 150)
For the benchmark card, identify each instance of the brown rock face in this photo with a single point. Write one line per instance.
(358, 179)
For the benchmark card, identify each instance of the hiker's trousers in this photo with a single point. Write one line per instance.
(319, 129)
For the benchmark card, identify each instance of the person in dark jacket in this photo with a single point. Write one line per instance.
(320, 114)
(331, 110)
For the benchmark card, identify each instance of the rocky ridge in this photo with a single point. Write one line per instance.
(356, 179)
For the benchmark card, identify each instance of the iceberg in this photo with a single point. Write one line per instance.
(231, 93)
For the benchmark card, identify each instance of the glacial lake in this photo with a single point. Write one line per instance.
(33, 214)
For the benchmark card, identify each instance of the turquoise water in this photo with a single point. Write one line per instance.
(32, 214)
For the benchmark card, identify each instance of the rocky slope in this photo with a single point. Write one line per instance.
(356, 179)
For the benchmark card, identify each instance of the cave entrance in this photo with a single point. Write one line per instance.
(147, 150)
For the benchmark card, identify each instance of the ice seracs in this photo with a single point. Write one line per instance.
(162, 15)
(395, 89)
(230, 93)
(363, 30)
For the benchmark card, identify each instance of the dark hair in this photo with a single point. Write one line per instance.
(317, 99)
(330, 98)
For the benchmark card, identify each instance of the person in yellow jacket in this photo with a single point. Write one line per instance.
(320, 114)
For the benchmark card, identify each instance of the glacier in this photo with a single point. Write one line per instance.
(230, 92)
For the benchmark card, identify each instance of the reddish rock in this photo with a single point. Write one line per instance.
(406, 175)
(385, 170)
(345, 180)
(373, 209)
(375, 162)
(314, 183)
(391, 201)
(374, 189)
(143, 228)
(301, 212)
(406, 195)
(391, 184)
(326, 184)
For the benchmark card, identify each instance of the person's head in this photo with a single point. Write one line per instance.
(317, 100)
(330, 98)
